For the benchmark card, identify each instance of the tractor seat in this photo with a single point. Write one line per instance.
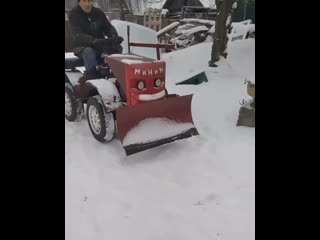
(71, 61)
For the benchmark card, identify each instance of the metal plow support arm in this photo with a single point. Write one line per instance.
(155, 123)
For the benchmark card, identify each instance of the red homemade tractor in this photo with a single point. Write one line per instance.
(132, 98)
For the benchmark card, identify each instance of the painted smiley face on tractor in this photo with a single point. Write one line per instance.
(141, 79)
(146, 81)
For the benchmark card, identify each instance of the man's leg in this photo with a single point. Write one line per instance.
(90, 58)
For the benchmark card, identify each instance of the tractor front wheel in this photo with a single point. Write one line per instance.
(101, 124)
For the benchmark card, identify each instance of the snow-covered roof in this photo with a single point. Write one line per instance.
(155, 3)
(208, 3)
(160, 3)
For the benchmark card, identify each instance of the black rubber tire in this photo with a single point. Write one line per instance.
(101, 136)
(72, 117)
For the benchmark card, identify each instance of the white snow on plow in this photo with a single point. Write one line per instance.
(154, 129)
(125, 55)
(130, 61)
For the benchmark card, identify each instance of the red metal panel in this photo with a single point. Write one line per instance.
(128, 75)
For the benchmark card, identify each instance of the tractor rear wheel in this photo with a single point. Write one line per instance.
(70, 111)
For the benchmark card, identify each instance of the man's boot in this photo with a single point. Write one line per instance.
(88, 75)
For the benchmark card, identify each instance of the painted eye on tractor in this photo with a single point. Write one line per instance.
(140, 85)
(157, 82)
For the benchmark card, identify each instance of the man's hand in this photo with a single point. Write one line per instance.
(106, 45)
(98, 45)
(118, 40)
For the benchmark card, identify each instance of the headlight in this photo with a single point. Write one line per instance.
(157, 82)
(140, 85)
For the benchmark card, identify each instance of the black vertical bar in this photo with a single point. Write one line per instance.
(128, 33)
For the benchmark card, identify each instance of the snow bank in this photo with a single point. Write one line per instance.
(194, 30)
(167, 28)
(241, 59)
(190, 20)
(138, 34)
(187, 62)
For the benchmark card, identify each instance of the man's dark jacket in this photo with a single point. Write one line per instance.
(85, 28)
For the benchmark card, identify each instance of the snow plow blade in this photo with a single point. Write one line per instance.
(151, 124)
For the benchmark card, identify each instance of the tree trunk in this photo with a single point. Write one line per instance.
(225, 9)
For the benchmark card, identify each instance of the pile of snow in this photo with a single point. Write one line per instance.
(167, 28)
(178, 69)
(145, 131)
(241, 60)
(139, 34)
(242, 57)
(196, 20)
(184, 27)
(239, 29)
(194, 30)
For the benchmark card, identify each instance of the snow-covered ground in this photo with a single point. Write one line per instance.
(199, 188)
